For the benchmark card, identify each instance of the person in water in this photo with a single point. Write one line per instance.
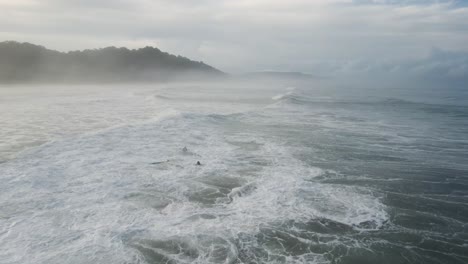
(198, 163)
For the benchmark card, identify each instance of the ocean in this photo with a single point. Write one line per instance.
(290, 173)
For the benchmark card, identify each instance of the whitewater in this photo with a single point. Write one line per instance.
(290, 173)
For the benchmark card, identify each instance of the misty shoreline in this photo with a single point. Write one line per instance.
(28, 63)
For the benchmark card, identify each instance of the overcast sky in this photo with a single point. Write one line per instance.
(254, 35)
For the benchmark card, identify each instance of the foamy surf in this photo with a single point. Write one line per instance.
(130, 193)
(307, 179)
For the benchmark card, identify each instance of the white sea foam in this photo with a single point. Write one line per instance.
(89, 199)
(105, 177)
(118, 187)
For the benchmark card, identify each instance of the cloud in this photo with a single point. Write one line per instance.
(248, 35)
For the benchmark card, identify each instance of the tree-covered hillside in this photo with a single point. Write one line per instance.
(25, 62)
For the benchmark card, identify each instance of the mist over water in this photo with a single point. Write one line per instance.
(292, 172)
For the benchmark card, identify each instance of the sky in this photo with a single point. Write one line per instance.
(325, 37)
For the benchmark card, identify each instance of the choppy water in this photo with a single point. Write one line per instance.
(289, 175)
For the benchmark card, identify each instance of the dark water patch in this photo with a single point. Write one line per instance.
(342, 254)
(457, 212)
(437, 256)
(322, 226)
(206, 196)
(392, 246)
(417, 172)
(424, 221)
(150, 200)
(444, 246)
(286, 243)
(332, 243)
(445, 110)
(406, 175)
(371, 157)
(201, 249)
(167, 251)
(454, 197)
(393, 103)
(201, 217)
(403, 186)
(272, 245)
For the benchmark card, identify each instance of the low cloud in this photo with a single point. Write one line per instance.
(330, 37)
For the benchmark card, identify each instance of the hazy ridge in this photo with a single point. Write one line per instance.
(26, 62)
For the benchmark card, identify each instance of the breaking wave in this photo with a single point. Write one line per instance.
(132, 193)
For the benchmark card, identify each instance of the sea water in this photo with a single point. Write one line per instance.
(289, 174)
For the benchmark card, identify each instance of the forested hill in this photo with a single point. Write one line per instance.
(25, 62)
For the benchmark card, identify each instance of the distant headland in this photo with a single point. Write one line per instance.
(29, 63)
